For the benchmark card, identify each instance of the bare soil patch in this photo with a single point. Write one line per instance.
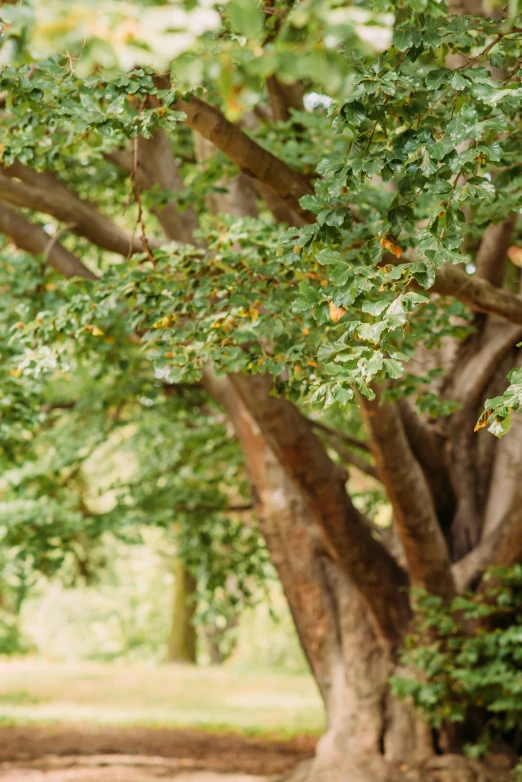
(98, 753)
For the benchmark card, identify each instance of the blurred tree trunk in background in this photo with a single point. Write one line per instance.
(182, 637)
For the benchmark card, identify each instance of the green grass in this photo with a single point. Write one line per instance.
(37, 690)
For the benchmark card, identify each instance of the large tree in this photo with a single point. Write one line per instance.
(309, 209)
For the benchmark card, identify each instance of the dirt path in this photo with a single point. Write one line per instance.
(87, 753)
(117, 771)
(121, 774)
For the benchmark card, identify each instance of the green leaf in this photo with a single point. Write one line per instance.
(438, 78)
(402, 38)
(500, 426)
(394, 369)
(340, 274)
(374, 307)
(458, 81)
(355, 113)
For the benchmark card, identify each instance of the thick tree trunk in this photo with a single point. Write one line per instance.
(182, 637)
(370, 736)
(367, 733)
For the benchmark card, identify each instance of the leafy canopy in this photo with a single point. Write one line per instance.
(415, 159)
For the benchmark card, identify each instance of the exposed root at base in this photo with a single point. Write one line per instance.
(445, 768)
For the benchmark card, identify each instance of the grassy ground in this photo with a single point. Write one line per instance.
(36, 690)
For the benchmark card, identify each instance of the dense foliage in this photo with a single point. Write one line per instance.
(467, 658)
(447, 139)
(259, 239)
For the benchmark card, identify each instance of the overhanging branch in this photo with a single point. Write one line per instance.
(250, 157)
(34, 240)
(42, 192)
(477, 294)
(473, 291)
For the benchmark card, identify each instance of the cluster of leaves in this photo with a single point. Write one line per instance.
(230, 305)
(168, 459)
(497, 412)
(235, 305)
(48, 113)
(466, 658)
(445, 139)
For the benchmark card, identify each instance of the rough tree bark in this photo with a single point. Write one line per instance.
(348, 658)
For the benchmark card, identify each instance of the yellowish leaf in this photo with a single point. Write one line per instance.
(390, 245)
(483, 420)
(165, 323)
(336, 313)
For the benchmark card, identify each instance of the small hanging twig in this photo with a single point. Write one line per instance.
(135, 193)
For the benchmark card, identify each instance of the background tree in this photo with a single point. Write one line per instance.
(94, 456)
(313, 261)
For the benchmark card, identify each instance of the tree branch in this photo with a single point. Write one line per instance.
(157, 158)
(332, 619)
(501, 548)
(424, 545)
(250, 157)
(427, 446)
(238, 198)
(21, 186)
(284, 97)
(491, 255)
(477, 294)
(347, 438)
(351, 458)
(472, 377)
(36, 241)
(348, 537)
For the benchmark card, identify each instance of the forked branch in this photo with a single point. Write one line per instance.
(416, 520)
